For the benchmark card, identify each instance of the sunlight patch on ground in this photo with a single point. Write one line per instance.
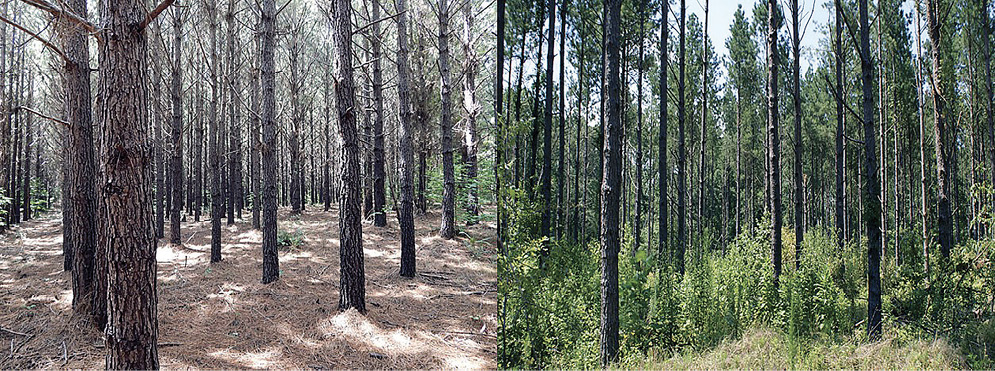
(263, 359)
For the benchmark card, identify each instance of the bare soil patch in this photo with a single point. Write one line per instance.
(220, 316)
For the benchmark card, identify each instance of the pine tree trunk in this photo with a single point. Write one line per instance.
(637, 223)
(255, 141)
(796, 86)
(268, 146)
(448, 229)
(405, 213)
(217, 200)
(664, 172)
(704, 133)
(352, 279)
(129, 238)
(293, 136)
(379, 175)
(611, 186)
(681, 150)
(176, 159)
(774, 148)
(840, 160)
(872, 201)
(944, 220)
(80, 234)
(236, 193)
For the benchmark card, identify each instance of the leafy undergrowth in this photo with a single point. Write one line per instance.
(765, 349)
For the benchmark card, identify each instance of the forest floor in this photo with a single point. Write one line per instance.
(219, 316)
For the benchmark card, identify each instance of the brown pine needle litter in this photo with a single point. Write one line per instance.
(221, 317)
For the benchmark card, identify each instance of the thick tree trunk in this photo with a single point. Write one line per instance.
(406, 158)
(944, 220)
(89, 297)
(129, 238)
(267, 148)
(176, 160)
(448, 229)
(352, 279)
(611, 187)
(872, 202)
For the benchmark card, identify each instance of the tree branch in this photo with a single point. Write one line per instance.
(42, 115)
(61, 13)
(155, 13)
(39, 38)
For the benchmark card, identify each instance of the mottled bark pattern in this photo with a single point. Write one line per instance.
(406, 160)
(126, 166)
(352, 279)
(611, 188)
(267, 73)
(81, 223)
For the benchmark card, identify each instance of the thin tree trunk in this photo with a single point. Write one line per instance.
(944, 220)
(681, 151)
(379, 199)
(662, 139)
(797, 95)
(774, 148)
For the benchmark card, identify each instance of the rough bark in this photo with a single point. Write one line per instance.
(126, 158)
(176, 158)
(872, 202)
(217, 200)
(89, 298)
(448, 228)
(405, 212)
(267, 149)
(944, 220)
(352, 279)
(611, 187)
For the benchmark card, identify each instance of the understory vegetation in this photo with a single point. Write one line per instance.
(725, 312)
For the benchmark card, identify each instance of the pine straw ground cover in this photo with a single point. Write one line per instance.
(220, 317)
